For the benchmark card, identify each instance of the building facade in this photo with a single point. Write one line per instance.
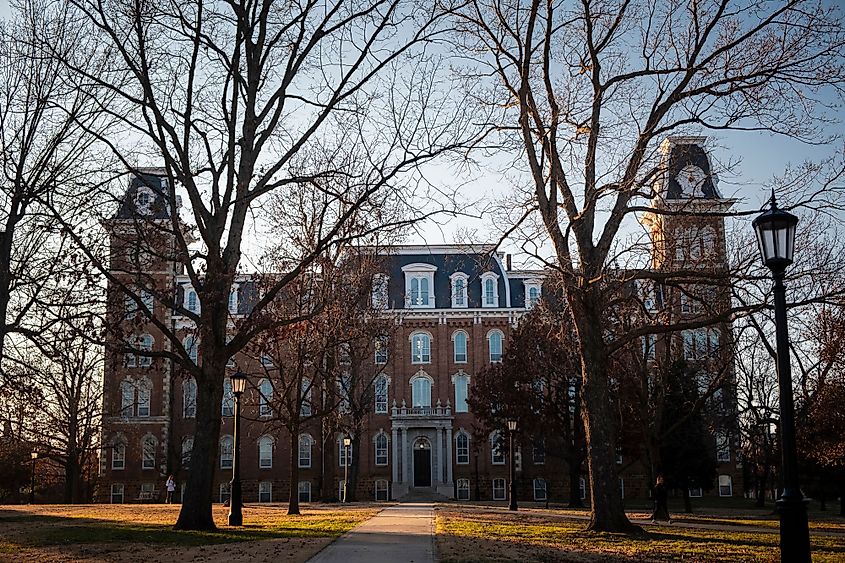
(454, 308)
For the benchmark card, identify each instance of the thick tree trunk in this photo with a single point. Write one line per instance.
(196, 505)
(687, 501)
(575, 484)
(73, 474)
(293, 500)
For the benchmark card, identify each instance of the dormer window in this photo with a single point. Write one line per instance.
(419, 285)
(532, 293)
(489, 290)
(459, 290)
(233, 300)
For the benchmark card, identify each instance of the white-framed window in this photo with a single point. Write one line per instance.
(189, 398)
(233, 300)
(144, 398)
(145, 344)
(304, 491)
(381, 448)
(700, 343)
(421, 391)
(191, 348)
(379, 294)
(147, 490)
(265, 397)
(540, 492)
(305, 397)
(499, 488)
(187, 450)
(118, 456)
(532, 293)
(497, 456)
(726, 488)
(117, 493)
(461, 448)
(227, 407)
(463, 489)
(127, 398)
(225, 491)
(538, 452)
(265, 452)
(420, 348)
(695, 492)
(380, 388)
(419, 285)
(649, 341)
(227, 452)
(708, 239)
(459, 346)
(148, 452)
(461, 382)
(489, 289)
(381, 490)
(459, 290)
(265, 491)
(723, 447)
(382, 349)
(582, 488)
(305, 443)
(495, 340)
(191, 301)
(344, 453)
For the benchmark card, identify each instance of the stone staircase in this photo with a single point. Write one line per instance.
(423, 494)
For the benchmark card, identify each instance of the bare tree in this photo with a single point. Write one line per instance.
(590, 90)
(337, 100)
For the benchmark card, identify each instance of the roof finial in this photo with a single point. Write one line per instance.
(773, 200)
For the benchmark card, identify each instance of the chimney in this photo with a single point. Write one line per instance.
(508, 262)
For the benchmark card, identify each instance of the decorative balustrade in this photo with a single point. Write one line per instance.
(421, 412)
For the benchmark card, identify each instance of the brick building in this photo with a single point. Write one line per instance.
(454, 308)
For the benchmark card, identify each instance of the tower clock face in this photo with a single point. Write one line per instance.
(691, 179)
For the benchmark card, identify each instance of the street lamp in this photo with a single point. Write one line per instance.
(511, 432)
(776, 238)
(33, 456)
(347, 441)
(236, 516)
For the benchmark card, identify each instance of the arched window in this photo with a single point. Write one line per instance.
(462, 448)
(265, 452)
(421, 391)
(192, 302)
(227, 452)
(415, 291)
(494, 344)
(127, 398)
(191, 347)
(497, 456)
(144, 392)
(187, 449)
(381, 448)
(265, 392)
(148, 452)
(145, 344)
(305, 397)
(189, 398)
(305, 443)
(118, 455)
(228, 406)
(233, 301)
(459, 290)
(381, 386)
(460, 344)
(489, 291)
(461, 391)
(533, 296)
(708, 240)
(420, 348)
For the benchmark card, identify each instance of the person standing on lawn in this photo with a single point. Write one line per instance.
(171, 487)
(661, 501)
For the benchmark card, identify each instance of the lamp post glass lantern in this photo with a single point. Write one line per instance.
(236, 517)
(512, 424)
(775, 230)
(347, 442)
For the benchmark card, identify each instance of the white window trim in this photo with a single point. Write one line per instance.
(545, 489)
(463, 481)
(122, 458)
(310, 451)
(504, 489)
(269, 485)
(730, 484)
(495, 277)
(490, 334)
(421, 375)
(455, 377)
(261, 461)
(379, 434)
(532, 284)
(299, 490)
(422, 354)
(231, 460)
(233, 304)
(148, 438)
(386, 380)
(385, 489)
(698, 492)
(494, 439)
(454, 279)
(113, 493)
(459, 434)
(419, 270)
(455, 350)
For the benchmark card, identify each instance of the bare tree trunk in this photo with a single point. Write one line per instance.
(575, 484)
(293, 499)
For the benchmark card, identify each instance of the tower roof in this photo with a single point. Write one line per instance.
(146, 196)
(687, 172)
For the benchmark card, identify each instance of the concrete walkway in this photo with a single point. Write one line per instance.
(400, 533)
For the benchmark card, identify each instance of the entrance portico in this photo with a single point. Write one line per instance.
(422, 449)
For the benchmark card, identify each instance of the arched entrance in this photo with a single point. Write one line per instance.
(422, 463)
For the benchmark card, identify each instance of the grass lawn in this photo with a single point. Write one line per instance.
(93, 533)
(475, 534)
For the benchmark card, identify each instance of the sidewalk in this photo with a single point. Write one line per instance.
(400, 533)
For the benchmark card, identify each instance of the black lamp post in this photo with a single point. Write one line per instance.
(511, 432)
(33, 456)
(236, 516)
(347, 441)
(776, 238)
